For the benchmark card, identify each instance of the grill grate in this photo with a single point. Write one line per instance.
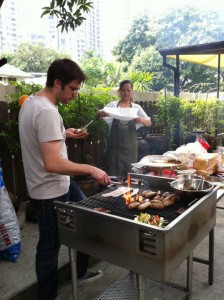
(117, 206)
(126, 288)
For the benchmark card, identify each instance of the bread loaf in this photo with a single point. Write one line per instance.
(206, 162)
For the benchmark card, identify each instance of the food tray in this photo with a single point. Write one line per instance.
(158, 162)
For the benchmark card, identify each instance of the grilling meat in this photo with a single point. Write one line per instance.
(156, 204)
(134, 205)
(152, 199)
(149, 194)
(101, 209)
(168, 203)
(144, 205)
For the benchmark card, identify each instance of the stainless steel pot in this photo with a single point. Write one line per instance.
(187, 176)
(191, 185)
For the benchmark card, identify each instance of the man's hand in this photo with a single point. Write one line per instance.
(73, 133)
(100, 176)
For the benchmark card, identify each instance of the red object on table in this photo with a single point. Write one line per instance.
(204, 143)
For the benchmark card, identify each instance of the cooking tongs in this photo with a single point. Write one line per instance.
(201, 183)
(119, 180)
(116, 180)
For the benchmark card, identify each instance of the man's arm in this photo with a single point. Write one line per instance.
(54, 163)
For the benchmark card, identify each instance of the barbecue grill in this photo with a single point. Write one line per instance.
(146, 250)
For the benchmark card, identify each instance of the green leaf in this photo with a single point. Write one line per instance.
(46, 12)
(52, 4)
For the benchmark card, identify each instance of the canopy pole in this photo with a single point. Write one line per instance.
(218, 79)
(177, 77)
(176, 80)
(176, 74)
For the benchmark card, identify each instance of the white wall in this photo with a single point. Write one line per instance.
(138, 96)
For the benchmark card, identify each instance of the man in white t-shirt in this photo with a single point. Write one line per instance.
(48, 170)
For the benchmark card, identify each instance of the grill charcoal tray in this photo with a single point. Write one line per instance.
(126, 288)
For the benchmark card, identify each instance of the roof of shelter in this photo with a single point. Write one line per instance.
(10, 71)
(204, 54)
(210, 54)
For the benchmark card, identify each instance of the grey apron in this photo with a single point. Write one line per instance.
(122, 148)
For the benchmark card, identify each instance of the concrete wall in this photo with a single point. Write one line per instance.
(6, 90)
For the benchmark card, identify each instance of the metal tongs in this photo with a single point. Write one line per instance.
(116, 180)
(201, 183)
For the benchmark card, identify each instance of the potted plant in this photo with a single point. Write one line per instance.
(170, 116)
(207, 119)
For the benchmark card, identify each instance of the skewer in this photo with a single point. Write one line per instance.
(87, 124)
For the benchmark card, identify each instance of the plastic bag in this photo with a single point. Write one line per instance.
(186, 153)
(10, 238)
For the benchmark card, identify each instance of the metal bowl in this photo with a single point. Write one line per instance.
(187, 177)
(187, 172)
(192, 185)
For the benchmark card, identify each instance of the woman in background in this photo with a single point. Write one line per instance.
(122, 145)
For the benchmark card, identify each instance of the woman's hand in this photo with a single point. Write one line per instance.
(73, 133)
(145, 121)
(138, 120)
(101, 114)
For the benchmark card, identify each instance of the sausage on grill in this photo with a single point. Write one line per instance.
(133, 205)
(144, 205)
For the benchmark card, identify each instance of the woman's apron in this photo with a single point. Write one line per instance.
(122, 148)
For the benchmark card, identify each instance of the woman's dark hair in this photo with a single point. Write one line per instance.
(66, 70)
(122, 83)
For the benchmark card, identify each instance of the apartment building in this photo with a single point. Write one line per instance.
(105, 24)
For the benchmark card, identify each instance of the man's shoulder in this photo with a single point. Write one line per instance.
(42, 103)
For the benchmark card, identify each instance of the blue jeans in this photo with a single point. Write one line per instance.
(49, 245)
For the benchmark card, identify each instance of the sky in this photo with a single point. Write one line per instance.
(34, 7)
(112, 11)
(113, 14)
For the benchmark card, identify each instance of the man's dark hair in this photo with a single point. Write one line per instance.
(65, 70)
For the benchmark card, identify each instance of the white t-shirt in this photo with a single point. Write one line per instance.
(40, 121)
(141, 113)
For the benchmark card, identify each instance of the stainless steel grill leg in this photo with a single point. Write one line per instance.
(211, 257)
(73, 264)
(141, 286)
(189, 272)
